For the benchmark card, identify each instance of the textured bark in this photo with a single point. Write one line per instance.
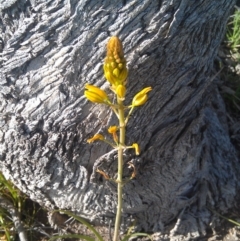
(50, 49)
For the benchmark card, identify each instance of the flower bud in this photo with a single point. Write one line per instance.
(141, 97)
(115, 69)
(95, 94)
(121, 91)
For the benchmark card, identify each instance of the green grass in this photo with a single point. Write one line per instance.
(12, 194)
(232, 72)
(27, 211)
(233, 33)
(97, 235)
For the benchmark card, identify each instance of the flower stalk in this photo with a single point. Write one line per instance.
(120, 167)
(115, 71)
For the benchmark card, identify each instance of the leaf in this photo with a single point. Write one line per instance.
(84, 222)
(77, 236)
(134, 235)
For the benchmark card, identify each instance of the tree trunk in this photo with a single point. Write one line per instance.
(51, 49)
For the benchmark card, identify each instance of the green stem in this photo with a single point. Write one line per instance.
(120, 168)
(130, 112)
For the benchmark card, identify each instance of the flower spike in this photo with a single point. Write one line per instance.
(115, 71)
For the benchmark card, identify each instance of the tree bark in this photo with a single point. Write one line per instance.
(51, 49)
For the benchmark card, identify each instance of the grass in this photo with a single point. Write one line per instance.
(233, 33)
(18, 212)
(231, 74)
(9, 193)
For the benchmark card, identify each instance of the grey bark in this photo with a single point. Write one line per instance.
(51, 49)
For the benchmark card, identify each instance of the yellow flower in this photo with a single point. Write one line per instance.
(121, 91)
(141, 97)
(114, 67)
(95, 94)
(113, 130)
(95, 138)
(136, 147)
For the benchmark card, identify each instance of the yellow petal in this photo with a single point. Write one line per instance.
(112, 129)
(123, 74)
(136, 147)
(140, 100)
(93, 97)
(120, 66)
(109, 76)
(116, 72)
(121, 91)
(141, 97)
(145, 90)
(95, 89)
(113, 65)
(95, 138)
(95, 94)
